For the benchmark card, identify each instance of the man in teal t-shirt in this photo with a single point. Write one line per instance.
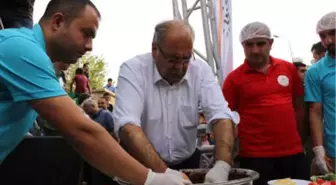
(29, 86)
(320, 89)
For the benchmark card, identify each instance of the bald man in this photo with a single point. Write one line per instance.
(156, 110)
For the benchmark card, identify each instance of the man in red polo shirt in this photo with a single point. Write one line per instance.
(265, 91)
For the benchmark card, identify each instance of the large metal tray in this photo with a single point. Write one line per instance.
(251, 176)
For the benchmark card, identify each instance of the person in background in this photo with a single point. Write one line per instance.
(60, 67)
(301, 69)
(17, 13)
(211, 138)
(320, 90)
(204, 139)
(109, 86)
(86, 70)
(267, 93)
(81, 98)
(29, 87)
(158, 98)
(104, 118)
(81, 82)
(108, 98)
(101, 116)
(102, 103)
(318, 51)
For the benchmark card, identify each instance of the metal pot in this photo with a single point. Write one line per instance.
(251, 176)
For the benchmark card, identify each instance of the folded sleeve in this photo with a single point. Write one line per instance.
(129, 102)
(212, 101)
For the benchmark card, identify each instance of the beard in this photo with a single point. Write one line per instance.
(331, 49)
(256, 60)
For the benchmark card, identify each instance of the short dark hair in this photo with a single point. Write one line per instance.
(70, 8)
(79, 71)
(109, 80)
(86, 64)
(319, 48)
(299, 64)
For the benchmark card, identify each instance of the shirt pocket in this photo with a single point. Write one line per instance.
(154, 114)
(187, 116)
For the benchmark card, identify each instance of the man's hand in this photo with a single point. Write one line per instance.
(319, 164)
(219, 173)
(170, 177)
(174, 172)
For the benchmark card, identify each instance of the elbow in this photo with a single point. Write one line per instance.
(126, 130)
(85, 137)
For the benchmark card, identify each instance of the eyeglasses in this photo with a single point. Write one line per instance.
(174, 60)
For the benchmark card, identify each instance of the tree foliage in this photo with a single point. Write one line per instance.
(97, 70)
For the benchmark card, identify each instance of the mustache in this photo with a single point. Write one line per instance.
(256, 56)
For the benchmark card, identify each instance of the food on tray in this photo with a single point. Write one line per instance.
(286, 181)
(322, 182)
(199, 176)
(328, 177)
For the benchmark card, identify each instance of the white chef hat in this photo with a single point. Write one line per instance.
(255, 30)
(327, 22)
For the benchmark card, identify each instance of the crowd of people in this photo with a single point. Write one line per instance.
(152, 130)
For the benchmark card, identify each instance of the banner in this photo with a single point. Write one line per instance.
(224, 24)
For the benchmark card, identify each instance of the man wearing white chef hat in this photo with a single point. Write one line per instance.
(320, 92)
(267, 93)
(156, 110)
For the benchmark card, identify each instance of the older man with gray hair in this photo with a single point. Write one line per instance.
(101, 116)
(267, 93)
(156, 110)
(320, 90)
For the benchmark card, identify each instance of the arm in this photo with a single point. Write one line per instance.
(84, 135)
(316, 124)
(313, 96)
(298, 103)
(221, 120)
(223, 130)
(39, 87)
(89, 87)
(128, 110)
(71, 84)
(220, 116)
(137, 144)
(230, 92)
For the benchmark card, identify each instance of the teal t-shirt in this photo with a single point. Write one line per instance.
(26, 73)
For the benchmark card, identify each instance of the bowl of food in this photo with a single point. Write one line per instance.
(237, 176)
(288, 181)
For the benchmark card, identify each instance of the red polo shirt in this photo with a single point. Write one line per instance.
(267, 125)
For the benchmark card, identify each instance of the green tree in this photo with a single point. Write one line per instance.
(97, 70)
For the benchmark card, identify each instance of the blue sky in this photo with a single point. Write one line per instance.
(127, 26)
